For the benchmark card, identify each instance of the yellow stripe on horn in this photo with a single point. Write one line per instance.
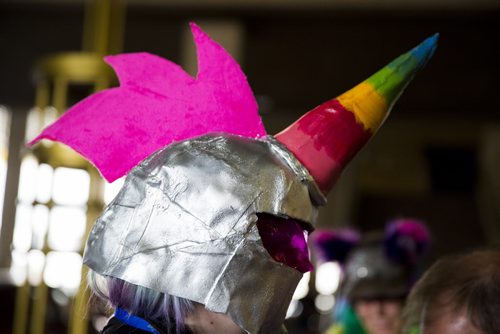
(368, 106)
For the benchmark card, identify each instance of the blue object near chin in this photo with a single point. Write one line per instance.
(134, 321)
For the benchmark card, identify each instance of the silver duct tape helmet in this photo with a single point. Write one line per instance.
(370, 274)
(185, 223)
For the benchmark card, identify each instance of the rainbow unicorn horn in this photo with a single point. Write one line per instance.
(326, 138)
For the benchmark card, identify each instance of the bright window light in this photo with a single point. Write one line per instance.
(3, 175)
(71, 186)
(33, 125)
(28, 179)
(66, 229)
(22, 229)
(37, 120)
(4, 152)
(328, 278)
(324, 303)
(19, 267)
(40, 223)
(50, 115)
(294, 309)
(112, 189)
(36, 261)
(303, 287)
(63, 270)
(44, 183)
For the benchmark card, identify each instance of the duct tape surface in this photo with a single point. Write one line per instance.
(184, 223)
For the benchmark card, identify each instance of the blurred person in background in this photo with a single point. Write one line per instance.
(458, 294)
(379, 270)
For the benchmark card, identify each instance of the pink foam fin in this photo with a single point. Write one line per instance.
(158, 103)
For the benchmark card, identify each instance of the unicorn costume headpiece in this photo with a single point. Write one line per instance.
(213, 209)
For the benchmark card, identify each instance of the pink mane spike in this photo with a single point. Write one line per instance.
(156, 104)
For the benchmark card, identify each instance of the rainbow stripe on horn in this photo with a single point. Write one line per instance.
(327, 137)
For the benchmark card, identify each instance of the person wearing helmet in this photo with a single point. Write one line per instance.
(208, 233)
(379, 269)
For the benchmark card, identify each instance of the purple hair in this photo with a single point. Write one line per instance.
(161, 308)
